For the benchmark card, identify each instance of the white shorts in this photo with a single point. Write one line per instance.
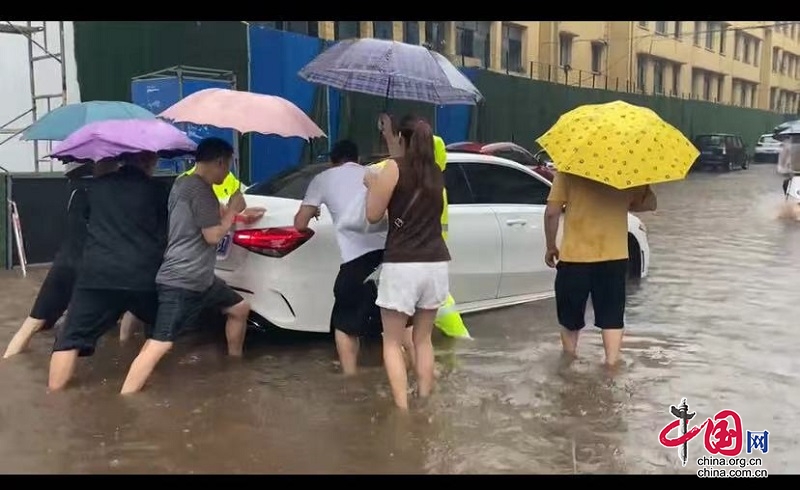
(408, 286)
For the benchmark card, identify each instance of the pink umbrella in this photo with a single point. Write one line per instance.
(244, 112)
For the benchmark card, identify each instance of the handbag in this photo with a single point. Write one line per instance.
(398, 223)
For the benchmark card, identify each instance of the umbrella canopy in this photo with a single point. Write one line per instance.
(393, 70)
(785, 125)
(114, 138)
(792, 128)
(244, 112)
(618, 144)
(57, 124)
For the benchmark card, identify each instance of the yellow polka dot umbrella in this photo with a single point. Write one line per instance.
(618, 144)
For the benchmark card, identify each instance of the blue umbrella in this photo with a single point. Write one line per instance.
(393, 70)
(57, 124)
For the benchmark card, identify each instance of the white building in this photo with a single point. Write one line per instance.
(15, 87)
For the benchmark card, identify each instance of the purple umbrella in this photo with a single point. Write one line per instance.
(117, 137)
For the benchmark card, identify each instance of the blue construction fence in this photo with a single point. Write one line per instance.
(275, 59)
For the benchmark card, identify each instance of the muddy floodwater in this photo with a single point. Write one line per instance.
(716, 322)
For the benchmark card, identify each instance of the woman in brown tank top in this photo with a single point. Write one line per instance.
(414, 277)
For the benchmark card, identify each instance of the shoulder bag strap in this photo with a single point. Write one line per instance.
(398, 222)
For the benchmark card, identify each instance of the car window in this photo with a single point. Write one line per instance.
(456, 184)
(290, 185)
(706, 141)
(516, 156)
(497, 184)
(730, 142)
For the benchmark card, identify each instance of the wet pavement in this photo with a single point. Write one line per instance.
(715, 322)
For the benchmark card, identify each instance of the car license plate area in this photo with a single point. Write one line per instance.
(224, 246)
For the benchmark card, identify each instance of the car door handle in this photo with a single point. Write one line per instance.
(512, 222)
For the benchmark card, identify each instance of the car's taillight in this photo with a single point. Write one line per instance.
(272, 242)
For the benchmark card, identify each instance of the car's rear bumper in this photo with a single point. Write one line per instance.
(765, 157)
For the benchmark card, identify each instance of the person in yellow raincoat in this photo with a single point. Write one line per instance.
(448, 319)
(224, 190)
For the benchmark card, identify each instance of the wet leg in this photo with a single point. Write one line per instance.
(128, 325)
(347, 347)
(423, 348)
(23, 336)
(144, 364)
(62, 367)
(236, 327)
(394, 326)
(612, 343)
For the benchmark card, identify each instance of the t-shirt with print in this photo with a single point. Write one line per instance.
(189, 260)
(335, 189)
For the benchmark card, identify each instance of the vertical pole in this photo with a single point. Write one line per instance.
(249, 88)
(34, 111)
(328, 115)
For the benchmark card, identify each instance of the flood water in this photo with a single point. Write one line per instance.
(715, 322)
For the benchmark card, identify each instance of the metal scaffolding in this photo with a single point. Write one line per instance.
(41, 52)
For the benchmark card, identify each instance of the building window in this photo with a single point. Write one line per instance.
(658, 77)
(661, 27)
(756, 51)
(411, 32)
(643, 24)
(775, 53)
(746, 49)
(677, 32)
(512, 48)
(723, 33)
(698, 27)
(346, 29)
(710, 35)
(706, 86)
(597, 57)
(472, 40)
(720, 83)
(383, 29)
(565, 49)
(434, 34)
(676, 79)
(641, 73)
(743, 95)
(737, 47)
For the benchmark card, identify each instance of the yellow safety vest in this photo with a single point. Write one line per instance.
(448, 319)
(224, 190)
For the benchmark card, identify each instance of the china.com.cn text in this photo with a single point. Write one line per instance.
(716, 467)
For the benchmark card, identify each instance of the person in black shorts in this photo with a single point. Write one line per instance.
(126, 237)
(592, 260)
(186, 280)
(354, 313)
(56, 290)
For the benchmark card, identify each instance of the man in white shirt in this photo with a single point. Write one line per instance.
(354, 311)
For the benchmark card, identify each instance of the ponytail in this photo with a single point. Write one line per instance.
(419, 154)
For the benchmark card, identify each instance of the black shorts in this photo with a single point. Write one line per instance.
(354, 310)
(93, 312)
(54, 295)
(179, 308)
(603, 281)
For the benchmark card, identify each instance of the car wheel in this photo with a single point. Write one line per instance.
(746, 163)
(729, 166)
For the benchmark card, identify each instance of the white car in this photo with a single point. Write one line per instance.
(496, 240)
(767, 149)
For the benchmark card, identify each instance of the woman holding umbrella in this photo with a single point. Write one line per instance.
(414, 277)
(56, 291)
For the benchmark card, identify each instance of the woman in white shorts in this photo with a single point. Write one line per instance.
(413, 282)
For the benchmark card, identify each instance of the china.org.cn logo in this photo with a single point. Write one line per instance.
(723, 439)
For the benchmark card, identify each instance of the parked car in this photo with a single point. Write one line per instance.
(496, 240)
(539, 163)
(721, 152)
(767, 149)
